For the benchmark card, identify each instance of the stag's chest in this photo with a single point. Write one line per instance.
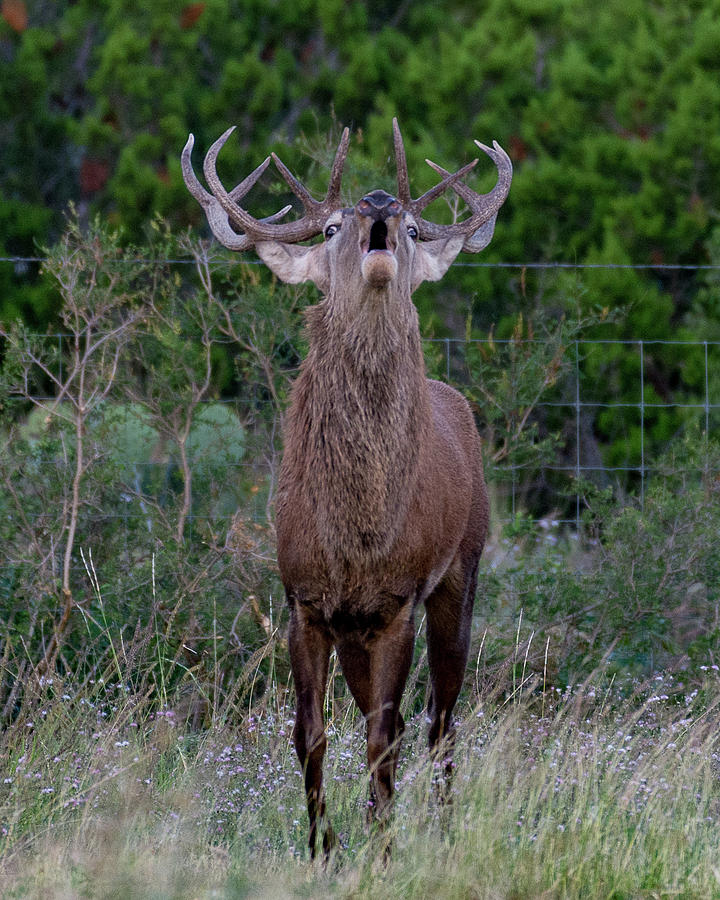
(348, 470)
(342, 591)
(343, 605)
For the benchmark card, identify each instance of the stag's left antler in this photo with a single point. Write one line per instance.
(479, 226)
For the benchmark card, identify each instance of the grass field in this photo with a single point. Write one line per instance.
(590, 792)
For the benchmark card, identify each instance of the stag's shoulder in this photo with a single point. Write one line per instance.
(453, 416)
(445, 398)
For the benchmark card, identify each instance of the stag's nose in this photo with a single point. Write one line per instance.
(379, 206)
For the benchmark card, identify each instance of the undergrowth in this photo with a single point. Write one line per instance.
(599, 789)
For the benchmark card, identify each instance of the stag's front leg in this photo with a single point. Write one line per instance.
(390, 655)
(309, 646)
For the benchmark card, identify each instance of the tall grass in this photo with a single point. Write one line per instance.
(591, 791)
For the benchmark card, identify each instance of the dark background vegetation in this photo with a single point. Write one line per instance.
(145, 372)
(611, 115)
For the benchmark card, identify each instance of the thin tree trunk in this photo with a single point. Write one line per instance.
(187, 491)
(67, 596)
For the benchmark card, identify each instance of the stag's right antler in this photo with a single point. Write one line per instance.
(216, 216)
(222, 207)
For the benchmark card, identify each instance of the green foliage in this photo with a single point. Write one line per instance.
(507, 379)
(127, 434)
(128, 469)
(641, 589)
(611, 117)
(216, 439)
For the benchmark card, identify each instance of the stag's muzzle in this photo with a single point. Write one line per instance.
(379, 205)
(379, 216)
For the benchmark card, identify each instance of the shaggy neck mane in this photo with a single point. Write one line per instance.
(361, 404)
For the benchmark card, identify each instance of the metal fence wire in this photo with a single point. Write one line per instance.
(612, 433)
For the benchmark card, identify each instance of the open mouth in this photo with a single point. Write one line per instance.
(379, 239)
(379, 264)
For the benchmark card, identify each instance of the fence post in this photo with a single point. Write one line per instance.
(707, 393)
(707, 408)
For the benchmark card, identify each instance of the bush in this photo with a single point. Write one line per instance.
(637, 589)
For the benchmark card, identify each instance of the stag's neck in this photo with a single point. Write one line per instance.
(359, 413)
(368, 358)
(366, 330)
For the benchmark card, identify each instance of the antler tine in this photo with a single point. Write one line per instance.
(189, 176)
(401, 164)
(504, 166)
(234, 211)
(478, 240)
(256, 230)
(217, 220)
(416, 206)
(239, 191)
(299, 189)
(332, 197)
(336, 173)
(479, 226)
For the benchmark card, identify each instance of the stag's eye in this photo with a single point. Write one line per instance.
(330, 231)
(413, 232)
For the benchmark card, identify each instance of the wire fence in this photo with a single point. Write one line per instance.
(612, 418)
(615, 419)
(221, 258)
(613, 415)
(615, 407)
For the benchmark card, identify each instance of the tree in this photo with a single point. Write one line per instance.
(100, 309)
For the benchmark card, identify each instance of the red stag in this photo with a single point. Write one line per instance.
(381, 502)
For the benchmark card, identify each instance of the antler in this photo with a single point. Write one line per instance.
(222, 207)
(479, 226)
(217, 218)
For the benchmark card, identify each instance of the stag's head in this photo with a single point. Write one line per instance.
(383, 242)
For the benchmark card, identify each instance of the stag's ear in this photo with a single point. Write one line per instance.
(293, 263)
(433, 258)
